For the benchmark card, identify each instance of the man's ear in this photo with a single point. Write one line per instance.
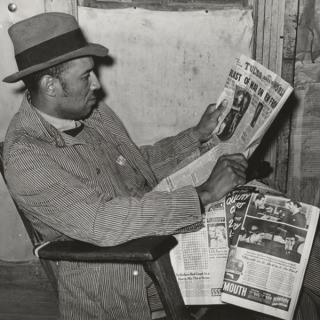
(47, 86)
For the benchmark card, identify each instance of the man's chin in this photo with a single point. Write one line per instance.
(87, 114)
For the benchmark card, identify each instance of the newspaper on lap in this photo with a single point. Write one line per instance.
(214, 257)
(270, 243)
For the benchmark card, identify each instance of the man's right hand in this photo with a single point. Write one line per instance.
(229, 172)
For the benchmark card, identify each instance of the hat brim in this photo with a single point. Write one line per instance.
(257, 231)
(91, 50)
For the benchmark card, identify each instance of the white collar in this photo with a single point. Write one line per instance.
(60, 124)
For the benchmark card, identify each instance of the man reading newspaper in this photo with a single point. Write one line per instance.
(70, 164)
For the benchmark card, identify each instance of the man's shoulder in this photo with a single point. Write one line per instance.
(298, 217)
(18, 140)
(14, 132)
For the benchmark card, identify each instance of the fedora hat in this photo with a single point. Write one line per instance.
(256, 229)
(46, 40)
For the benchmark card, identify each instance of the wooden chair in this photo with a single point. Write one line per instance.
(151, 252)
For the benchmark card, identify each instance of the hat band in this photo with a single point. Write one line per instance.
(51, 49)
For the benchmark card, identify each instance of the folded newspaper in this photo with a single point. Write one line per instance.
(270, 237)
(221, 263)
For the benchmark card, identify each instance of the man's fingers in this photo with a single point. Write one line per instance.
(238, 158)
(216, 114)
(221, 107)
(241, 174)
(211, 108)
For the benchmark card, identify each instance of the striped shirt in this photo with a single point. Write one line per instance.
(96, 187)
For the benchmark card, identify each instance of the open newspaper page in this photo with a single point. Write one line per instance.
(200, 258)
(269, 251)
(253, 96)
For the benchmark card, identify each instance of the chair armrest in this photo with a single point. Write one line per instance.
(143, 249)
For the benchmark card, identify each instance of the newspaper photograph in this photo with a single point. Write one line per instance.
(269, 250)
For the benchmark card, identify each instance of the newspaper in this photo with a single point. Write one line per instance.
(271, 240)
(253, 96)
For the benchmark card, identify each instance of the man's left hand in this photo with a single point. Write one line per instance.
(208, 122)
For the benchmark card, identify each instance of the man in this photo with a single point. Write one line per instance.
(212, 233)
(295, 217)
(288, 250)
(257, 205)
(256, 114)
(71, 166)
(234, 266)
(256, 234)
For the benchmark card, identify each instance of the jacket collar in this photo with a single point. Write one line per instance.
(36, 126)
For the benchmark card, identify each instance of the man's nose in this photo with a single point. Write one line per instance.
(95, 83)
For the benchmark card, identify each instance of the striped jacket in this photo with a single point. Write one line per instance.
(95, 187)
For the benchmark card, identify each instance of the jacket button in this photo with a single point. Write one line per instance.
(98, 170)
(135, 273)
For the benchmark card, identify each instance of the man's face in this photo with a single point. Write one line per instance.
(290, 205)
(289, 243)
(260, 202)
(76, 98)
(240, 97)
(212, 232)
(219, 234)
(257, 237)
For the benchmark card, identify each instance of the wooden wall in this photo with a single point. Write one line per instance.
(304, 144)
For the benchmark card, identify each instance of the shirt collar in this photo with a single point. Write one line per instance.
(35, 125)
(59, 124)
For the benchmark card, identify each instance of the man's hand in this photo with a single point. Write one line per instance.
(208, 122)
(229, 172)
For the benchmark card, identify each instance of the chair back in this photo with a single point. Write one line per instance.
(35, 237)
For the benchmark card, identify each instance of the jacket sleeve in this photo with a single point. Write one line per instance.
(166, 154)
(59, 200)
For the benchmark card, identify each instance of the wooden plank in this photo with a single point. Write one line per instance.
(28, 274)
(279, 35)
(267, 33)
(260, 34)
(20, 295)
(273, 46)
(288, 67)
(269, 61)
(275, 64)
(162, 274)
(92, 3)
(16, 303)
(254, 4)
(143, 249)
(166, 5)
(66, 6)
(5, 316)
